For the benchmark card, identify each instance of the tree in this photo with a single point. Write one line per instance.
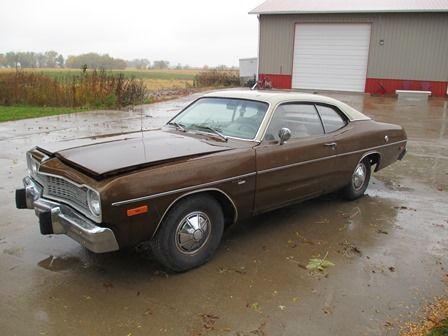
(139, 63)
(51, 58)
(11, 59)
(41, 60)
(95, 61)
(60, 61)
(161, 64)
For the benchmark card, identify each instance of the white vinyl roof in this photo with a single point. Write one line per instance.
(349, 6)
(274, 98)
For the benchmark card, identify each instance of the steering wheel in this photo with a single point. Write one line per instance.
(247, 127)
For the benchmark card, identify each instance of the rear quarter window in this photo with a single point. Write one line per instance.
(331, 118)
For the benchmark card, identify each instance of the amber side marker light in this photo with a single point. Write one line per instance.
(137, 211)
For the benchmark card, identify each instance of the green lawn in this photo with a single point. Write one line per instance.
(8, 113)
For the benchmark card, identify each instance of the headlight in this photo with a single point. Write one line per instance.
(93, 199)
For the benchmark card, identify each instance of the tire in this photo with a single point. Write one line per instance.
(359, 181)
(189, 234)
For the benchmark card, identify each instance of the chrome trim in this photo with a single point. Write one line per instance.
(143, 198)
(359, 176)
(65, 220)
(289, 101)
(88, 213)
(193, 232)
(377, 167)
(329, 157)
(192, 193)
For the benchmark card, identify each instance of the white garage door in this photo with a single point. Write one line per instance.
(331, 56)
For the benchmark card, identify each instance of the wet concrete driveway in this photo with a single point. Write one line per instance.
(390, 249)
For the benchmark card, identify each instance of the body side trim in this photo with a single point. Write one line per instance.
(192, 193)
(370, 151)
(191, 188)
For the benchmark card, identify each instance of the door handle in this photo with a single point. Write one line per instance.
(333, 145)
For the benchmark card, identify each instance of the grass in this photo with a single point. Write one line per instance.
(35, 93)
(168, 74)
(435, 322)
(441, 330)
(154, 79)
(8, 113)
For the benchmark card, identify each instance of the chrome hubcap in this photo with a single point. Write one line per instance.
(359, 176)
(192, 232)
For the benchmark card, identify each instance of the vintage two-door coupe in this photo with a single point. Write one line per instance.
(226, 156)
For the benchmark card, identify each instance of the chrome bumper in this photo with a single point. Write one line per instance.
(57, 218)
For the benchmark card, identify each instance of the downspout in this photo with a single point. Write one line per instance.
(258, 49)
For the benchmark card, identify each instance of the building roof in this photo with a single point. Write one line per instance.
(349, 6)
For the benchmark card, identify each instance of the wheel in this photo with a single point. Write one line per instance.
(359, 181)
(189, 234)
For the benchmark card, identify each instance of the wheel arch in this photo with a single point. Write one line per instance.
(374, 157)
(225, 201)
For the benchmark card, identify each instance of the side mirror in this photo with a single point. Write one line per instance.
(284, 134)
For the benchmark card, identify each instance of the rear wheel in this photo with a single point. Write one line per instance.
(190, 233)
(359, 181)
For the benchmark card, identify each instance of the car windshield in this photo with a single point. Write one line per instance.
(223, 116)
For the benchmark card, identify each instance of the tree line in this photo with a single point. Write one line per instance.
(29, 59)
(53, 59)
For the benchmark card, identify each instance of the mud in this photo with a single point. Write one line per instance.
(389, 249)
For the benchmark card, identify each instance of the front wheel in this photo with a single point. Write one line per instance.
(190, 233)
(359, 181)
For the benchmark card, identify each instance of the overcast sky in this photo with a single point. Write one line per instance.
(194, 32)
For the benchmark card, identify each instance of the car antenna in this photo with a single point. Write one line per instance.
(141, 132)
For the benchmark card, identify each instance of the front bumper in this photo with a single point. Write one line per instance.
(58, 218)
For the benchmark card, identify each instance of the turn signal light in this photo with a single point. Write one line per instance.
(137, 211)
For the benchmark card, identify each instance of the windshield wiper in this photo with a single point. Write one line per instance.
(178, 126)
(213, 130)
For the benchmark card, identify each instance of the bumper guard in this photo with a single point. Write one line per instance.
(58, 218)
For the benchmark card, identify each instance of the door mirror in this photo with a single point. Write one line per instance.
(284, 134)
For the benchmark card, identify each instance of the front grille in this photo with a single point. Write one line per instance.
(63, 190)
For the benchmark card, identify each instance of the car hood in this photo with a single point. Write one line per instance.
(107, 156)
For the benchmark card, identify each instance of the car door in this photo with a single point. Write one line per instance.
(299, 168)
(340, 133)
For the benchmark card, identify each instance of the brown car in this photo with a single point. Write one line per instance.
(226, 156)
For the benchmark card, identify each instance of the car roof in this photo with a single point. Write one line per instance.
(274, 97)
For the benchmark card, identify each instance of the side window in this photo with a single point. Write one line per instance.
(331, 119)
(301, 119)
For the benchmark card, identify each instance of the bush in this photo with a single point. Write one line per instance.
(88, 89)
(217, 78)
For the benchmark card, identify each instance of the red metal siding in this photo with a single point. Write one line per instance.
(278, 81)
(388, 86)
(373, 85)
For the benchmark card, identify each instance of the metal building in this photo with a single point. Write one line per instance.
(374, 46)
(248, 69)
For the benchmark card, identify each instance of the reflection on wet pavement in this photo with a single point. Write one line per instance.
(389, 249)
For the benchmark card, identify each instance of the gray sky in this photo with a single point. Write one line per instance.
(194, 32)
